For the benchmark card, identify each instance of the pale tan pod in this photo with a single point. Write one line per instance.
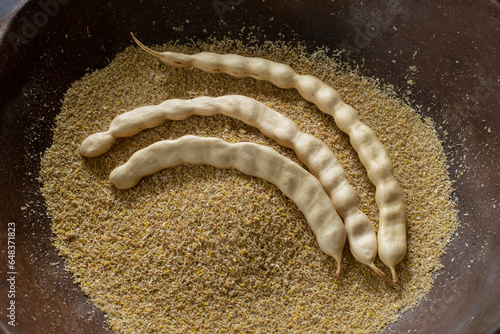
(311, 151)
(370, 150)
(252, 159)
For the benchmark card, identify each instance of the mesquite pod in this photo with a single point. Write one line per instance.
(311, 151)
(251, 159)
(371, 152)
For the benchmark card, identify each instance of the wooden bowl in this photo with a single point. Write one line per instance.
(46, 45)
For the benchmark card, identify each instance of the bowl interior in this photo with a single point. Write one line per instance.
(45, 46)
